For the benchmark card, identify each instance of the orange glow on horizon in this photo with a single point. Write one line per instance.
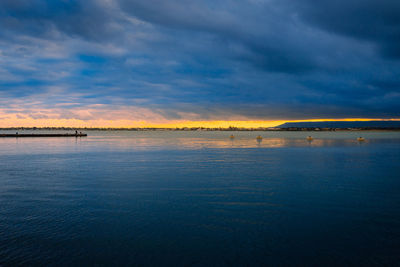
(106, 116)
(120, 123)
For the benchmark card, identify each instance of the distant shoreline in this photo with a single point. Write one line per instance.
(271, 129)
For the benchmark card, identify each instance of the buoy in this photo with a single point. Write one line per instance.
(259, 137)
(232, 136)
(360, 139)
(309, 138)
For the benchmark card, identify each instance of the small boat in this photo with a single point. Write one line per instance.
(360, 139)
(259, 137)
(232, 136)
(310, 138)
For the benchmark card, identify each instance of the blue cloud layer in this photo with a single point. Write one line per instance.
(261, 59)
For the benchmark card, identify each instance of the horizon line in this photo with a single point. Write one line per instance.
(179, 124)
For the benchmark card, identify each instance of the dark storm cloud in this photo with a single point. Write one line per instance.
(45, 18)
(374, 21)
(256, 58)
(259, 34)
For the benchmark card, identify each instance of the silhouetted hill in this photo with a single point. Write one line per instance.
(342, 124)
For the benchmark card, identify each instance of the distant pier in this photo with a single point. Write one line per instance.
(43, 135)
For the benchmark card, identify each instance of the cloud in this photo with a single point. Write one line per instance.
(89, 19)
(373, 21)
(221, 59)
(258, 34)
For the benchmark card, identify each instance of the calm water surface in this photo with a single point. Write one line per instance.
(201, 199)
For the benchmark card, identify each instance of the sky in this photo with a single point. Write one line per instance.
(140, 63)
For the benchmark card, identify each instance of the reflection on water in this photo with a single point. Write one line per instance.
(192, 140)
(203, 199)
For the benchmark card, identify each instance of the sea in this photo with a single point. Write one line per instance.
(200, 198)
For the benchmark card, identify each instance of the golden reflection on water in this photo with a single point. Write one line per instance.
(177, 140)
(199, 143)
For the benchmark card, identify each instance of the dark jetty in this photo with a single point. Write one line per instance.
(43, 135)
